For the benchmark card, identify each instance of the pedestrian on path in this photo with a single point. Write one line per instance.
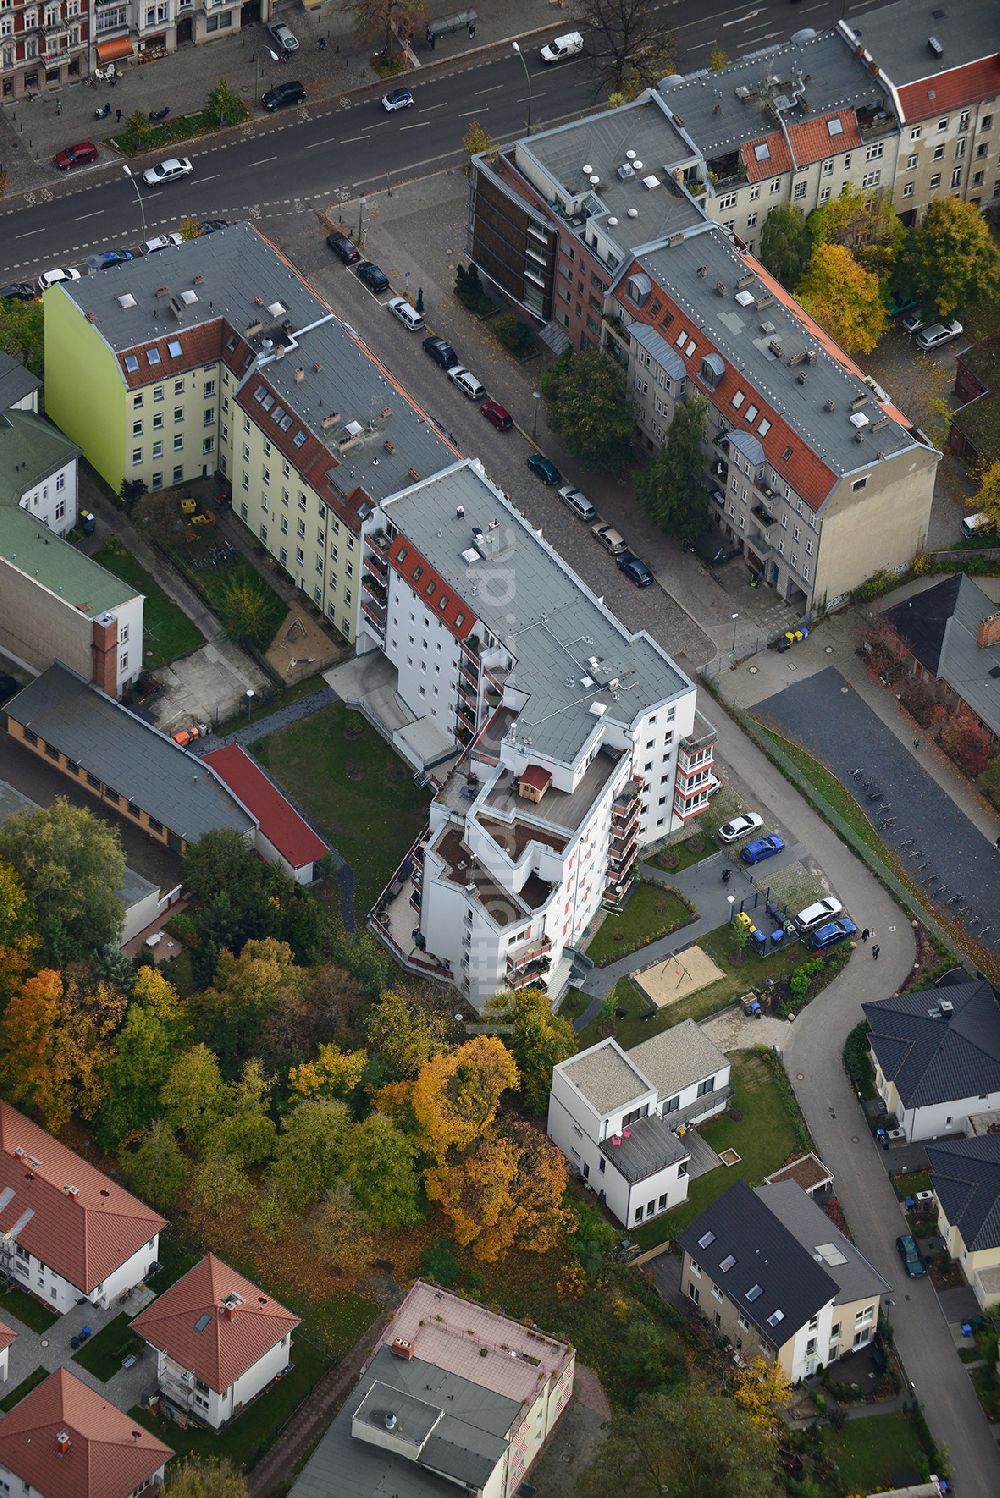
(118, 116)
(865, 934)
(875, 952)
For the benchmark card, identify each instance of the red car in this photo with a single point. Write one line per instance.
(501, 419)
(81, 155)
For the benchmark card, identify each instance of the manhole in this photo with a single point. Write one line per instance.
(800, 1076)
(753, 670)
(855, 1138)
(828, 650)
(45, 1341)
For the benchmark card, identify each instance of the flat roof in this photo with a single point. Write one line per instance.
(547, 618)
(31, 449)
(677, 1058)
(604, 1076)
(29, 546)
(277, 818)
(897, 36)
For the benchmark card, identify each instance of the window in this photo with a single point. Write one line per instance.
(157, 449)
(982, 150)
(158, 422)
(178, 473)
(935, 181)
(956, 177)
(800, 190)
(847, 162)
(729, 201)
(152, 356)
(938, 152)
(775, 185)
(942, 125)
(908, 190)
(137, 429)
(208, 446)
(986, 122)
(824, 195)
(874, 153)
(178, 387)
(136, 456)
(209, 389)
(174, 349)
(871, 179)
(751, 220)
(915, 133)
(911, 162)
(693, 1290)
(963, 120)
(706, 1086)
(179, 443)
(959, 149)
(828, 168)
(754, 194)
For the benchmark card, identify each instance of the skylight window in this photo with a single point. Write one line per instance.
(277, 414)
(285, 422)
(152, 356)
(174, 348)
(762, 151)
(751, 413)
(763, 426)
(259, 394)
(131, 363)
(299, 438)
(690, 348)
(835, 127)
(205, 1319)
(727, 1263)
(268, 400)
(706, 1239)
(738, 399)
(680, 338)
(786, 455)
(755, 1292)
(775, 1317)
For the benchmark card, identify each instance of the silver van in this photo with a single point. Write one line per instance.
(577, 501)
(404, 313)
(973, 523)
(610, 539)
(467, 383)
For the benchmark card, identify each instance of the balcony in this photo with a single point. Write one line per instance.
(377, 563)
(763, 516)
(375, 614)
(378, 541)
(537, 952)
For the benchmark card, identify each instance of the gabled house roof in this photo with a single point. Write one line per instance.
(214, 1323)
(941, 625)
(277, 818)
(826, 1245)
(967, 1182)
(65, 1441)
(74, 1218)
(933, 1055)
(16, 381)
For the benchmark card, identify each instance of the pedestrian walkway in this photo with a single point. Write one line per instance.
(51, 1349)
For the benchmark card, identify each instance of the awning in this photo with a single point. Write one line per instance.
(111, 51)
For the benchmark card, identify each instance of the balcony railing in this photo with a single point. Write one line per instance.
(763, 515)
(530, 954)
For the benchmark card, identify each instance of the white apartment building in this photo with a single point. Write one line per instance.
(581, 743)
(621, 1118)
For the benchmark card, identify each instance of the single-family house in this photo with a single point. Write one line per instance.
(936, 1056)
(7, 1336)
(770, 1272)
(967, 1183)
(65, 1441)
(621, 1117)
(282, 835)
(219, 1341)
(67, 1231)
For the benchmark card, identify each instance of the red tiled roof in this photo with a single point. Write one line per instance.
(279, 821)
(943, 92)
(200, 344)
(84, 1234)
(225, 1347)
(108, 1455)
(812, 141)
(7, 1335)
(777, 162)
(537, 778)
(406, 559)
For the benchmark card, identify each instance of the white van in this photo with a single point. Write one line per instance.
(404, 313)
(562, 46)
(973, 523)
(467, 383)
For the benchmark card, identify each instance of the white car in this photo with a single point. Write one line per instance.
(403, 312)
(167, 171)
(740, 826)
(913, 322)
(817, 914)
(53, 277)
(160, 242)
(938, 333)
(284, 37)
(562, 46)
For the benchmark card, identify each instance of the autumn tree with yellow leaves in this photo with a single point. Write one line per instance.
(457, 1093)
(844, 299)
(54, 1041)
(762, 1390)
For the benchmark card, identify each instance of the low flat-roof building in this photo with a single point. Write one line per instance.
(282, 835)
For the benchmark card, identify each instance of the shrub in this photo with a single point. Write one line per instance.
(856, 1060)
(439, 1263)
(470, 292)
(514, 335)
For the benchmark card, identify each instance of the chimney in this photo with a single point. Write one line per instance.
(401, 1348)
(300, 375)
(988, 633)
(63, 1442)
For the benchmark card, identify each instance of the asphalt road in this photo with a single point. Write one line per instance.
(353, 145)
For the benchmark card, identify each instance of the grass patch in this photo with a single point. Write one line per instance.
(573, 1004)
(829, 787)
(218, 582)
(102, 1354)
(251, 1433)
(908, 1183)
(167, 631)
(354, 788)
(767, 1135)
(181, 127)
(27, 1309)
(24, 1387)
(678, 856)
(650, 912)
(883, 1451)
(174, 1260)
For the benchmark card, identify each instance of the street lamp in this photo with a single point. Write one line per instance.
(735, 617)
(256, 70)
(524, 64)
(361, 218)
(142, 207)
(251, 694)
(536, 396)
(732, 902)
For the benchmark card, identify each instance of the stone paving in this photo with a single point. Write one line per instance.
(51, 1349)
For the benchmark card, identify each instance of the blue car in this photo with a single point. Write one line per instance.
(545, 469)
(762, 847)
(831, 933)
(635, 569)
(107, 258)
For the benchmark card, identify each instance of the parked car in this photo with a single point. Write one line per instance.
(913, 321)
(831, 933)
(762, 847)
(161, 242)
(107, 259)
(906, 1247)
(441, 351)
(817, 913)
(170, 170)
(497, 416)
(284, 37)
(635, 569)
(400, 98)
(374, 278)
(938, 333)
(612, 541)
(53, 277)
(345, 249)
(749, 821)
(561, 47)
(545, 469)
(284, 94)
(212, 226)
(18, 291)
(577, 501)
(972, 524)
(464, 380)
(407, 314)
(83, 154)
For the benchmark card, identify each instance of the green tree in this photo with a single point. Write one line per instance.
(137, 134)
(21, 333)
(310, 1150)
(785, 245)
(224, 105)
(72, 868)
(245, 606)
(868, 227)
(382, 1172)
(845, 300)
(591, 1236)
(536, 1038)
(671, 489)
(360, 954)
(987, 496)
(403, 1035)
(204, 1477)
(587, 404)
(136, 1072)
(739, 935)
(157, 1169)
(231, 1014)
(220, 1182)
(194, 1096)
(246, 1132)
(627, 48)
(950, 260)
(341, 1233)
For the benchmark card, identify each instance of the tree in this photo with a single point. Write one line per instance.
(628, 50)
(138, 132)
(845, 300)
(340, 1231)
(689, 1443)
(739, 935)
(884, 651)
(987, 498)
(204, 1477)
(718, 58)
(137, 1070)
(19, 942)
(964, 739)
(382, 1174)
(387, 18)
(868, 227)
(310, 1150)
(762, 1390)
(456, 1094)
(989, 782)
(220, 1182)
(536, 1038)
(951, 260)
(245, 606)
(157, 1169)
(217, 862)
(194, 1096)
(591, 1235)
(332, 1073)
(224, 105)
(188, 228)
(671, 489)
(72, 868)
(587, 404)
(246, 1131)
(506, 1193)
(53, 1045)
(231, 1014)
(403, 1035)
(21, 333)
(785, 245)
(475, 141)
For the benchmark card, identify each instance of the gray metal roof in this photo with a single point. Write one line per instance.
(659, 349)
(738, 334)
(547, 618)
(15, 381)
(739, 1227)
(604, 1076)
(967, 1182)
(718, 121)
(940, 625)
(27, 544)
(810, 1226)
(677, 1058)
(747, 444)
(31, 450)
(649, 1147)
(934, 1057)
(137, 761)
(897, 35)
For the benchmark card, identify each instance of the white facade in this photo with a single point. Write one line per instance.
(45, 1284)
(129, 664)
(935, 1119)
(53, 499)
(208, 1405)
(425, 653)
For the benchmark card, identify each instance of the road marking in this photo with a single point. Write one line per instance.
(496, 87)
(212, 178)
(328, 142)
(348, 140)
(428, 107)
(96, 214)
(28, 233)
(471, 112)
(422, 125)
(263, 160)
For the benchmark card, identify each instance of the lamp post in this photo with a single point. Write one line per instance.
(251, 694)
(524, 64)
(732, 902)
(256, 70)
(735, 617)
(536, 396)
(142, 207)
(361, 219)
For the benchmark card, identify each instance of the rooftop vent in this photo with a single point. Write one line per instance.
(401, 1348)
(775, 1317)
(633, 213)
(703, 270)
(742, 92)
(802, 376)
(612, 223)
(774, 345)
(858, 420)
(650, 182)
(595, 180)
(275, 309)
(587, 169)
(598, 709)
(877, 426)
(946, 1007)
(125, 301)
(629, 155)
(72, 1190)
(460, 513)
(625, 171)
(637, 164)
(858, 402)
(765, 299)
(744, 281)
(829, 405)
(391, 1421)
(722, 288)
(935, 46)
(63, 1442)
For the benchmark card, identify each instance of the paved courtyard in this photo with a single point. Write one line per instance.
(51, 1349)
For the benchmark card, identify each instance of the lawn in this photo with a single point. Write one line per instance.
(15, 1395)
(651, 911)
(880, 1452)
(168, 633)
(354, 788)
(765, 1138)
(27, 1309)
(174, 1260)
(248, 1437)
(574, 1002)
(678, 856)
(102, 1354)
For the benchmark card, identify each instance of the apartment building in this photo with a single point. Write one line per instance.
(43, 45)
(580, 742)
(218, 356)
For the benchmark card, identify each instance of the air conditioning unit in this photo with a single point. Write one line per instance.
(895, 1134)
(925, 1196)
